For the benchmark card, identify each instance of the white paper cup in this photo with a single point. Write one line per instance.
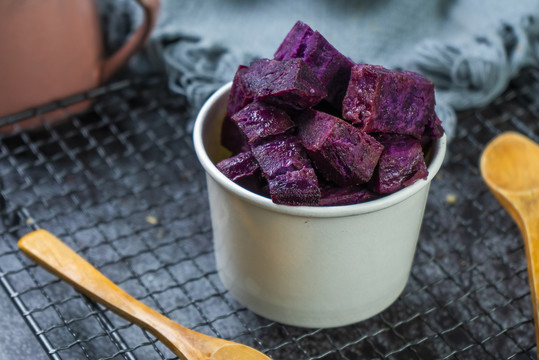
(308, 266)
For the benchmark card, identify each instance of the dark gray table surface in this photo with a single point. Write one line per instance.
(16, 339)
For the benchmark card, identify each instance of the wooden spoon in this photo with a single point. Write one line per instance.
(510, 167)
(55, 256)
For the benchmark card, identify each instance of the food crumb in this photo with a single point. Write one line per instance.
(451, 198)
(29, 221)
(152, 220)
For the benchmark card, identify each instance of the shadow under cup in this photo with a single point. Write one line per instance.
(309, 266)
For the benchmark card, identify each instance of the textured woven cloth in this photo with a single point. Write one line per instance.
(469, 49)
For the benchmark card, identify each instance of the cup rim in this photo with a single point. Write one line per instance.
(437, 156)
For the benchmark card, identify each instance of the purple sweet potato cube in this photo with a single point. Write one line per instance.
(401, 164)
(288, 170)
(232, 137)
(280, 155)
(433, 131)
(434, 128)
(290, 83)
(297, 188)
(348, 195)
(259, 120)
(330, 66)
(243, 169)
(293, 45)
(339, 151)
(388, 101)
(240, 94)
(243, 91)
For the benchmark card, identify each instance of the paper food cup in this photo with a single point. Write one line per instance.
(309, 266)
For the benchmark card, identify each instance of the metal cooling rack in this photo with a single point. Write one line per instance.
(122, 186)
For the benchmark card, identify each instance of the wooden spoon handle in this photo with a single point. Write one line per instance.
(55, 256)
(528, 209)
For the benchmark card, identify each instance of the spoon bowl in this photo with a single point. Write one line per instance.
(510, 167)
(511, 162)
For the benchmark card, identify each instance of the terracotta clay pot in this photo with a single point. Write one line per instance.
(51, 49)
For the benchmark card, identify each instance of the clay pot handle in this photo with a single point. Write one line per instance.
(134, 43)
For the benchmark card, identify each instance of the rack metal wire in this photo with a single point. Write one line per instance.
(121, 185)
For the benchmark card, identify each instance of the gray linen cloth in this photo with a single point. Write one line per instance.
(470, 49)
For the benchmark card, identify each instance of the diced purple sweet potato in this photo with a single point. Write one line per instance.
(294, 43)
(401, 164)
(330, 66)
(288, 170)
(240, 94)
(290, 83)
(339, 151)
(297, 188)
(259, 120)
(232, 137)
(433, 131)
(285, 122)
(280, 155)
(434, 128)
(336, 195)
(389, 101)
(243, 169)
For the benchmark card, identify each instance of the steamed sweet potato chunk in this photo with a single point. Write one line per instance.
(341, 152)
(289, 83)
(243, 169)
(401, 164)
(298, 187)
(388, 101)
(330, 66)
(259, 120)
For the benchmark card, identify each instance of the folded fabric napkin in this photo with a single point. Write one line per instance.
(469, 49)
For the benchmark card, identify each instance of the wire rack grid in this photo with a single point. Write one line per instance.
(121, 185)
